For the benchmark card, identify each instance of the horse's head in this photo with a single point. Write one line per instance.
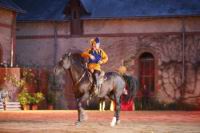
(63, 64)
(72, 58)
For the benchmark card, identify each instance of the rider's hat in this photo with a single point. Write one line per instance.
(95, 41)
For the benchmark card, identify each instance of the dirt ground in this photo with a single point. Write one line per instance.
(99, 122)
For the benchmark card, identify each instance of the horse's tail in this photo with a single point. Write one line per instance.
(132, 87)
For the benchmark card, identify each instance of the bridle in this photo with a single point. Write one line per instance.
(70, 71)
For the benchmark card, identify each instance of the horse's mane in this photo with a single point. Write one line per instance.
(76, 56)
(74, 51)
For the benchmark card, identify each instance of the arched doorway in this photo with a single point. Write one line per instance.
(147, 71)
(146, 79)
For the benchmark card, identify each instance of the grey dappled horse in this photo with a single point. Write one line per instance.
(112, 86)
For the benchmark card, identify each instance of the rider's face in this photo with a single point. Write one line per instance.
(97, 46)
(94, 46)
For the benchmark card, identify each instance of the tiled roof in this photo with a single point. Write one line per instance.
(103, 9)
(10, 5)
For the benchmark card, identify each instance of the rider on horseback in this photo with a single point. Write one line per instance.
(96, 57)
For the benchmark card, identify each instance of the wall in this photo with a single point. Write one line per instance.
(7, 24)
(132, 26)
(42, 39)
(44, 43)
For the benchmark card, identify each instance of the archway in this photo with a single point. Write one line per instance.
(147, 71)
(146, 78)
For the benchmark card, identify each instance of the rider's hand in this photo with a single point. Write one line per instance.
(92, 57)
(100, 62)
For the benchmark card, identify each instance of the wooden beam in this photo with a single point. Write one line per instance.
(13, 40)
(5, 26)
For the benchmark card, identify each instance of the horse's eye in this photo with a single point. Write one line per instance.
(60, 62)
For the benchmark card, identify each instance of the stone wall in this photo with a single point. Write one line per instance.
(172, 88)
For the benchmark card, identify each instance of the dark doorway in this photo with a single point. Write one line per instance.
(146, 71)
(146, 78)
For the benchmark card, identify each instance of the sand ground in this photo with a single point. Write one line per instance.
(99, 122)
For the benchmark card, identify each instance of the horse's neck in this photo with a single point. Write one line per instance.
(76, 72)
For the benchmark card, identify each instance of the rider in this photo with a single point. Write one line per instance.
(96, 56)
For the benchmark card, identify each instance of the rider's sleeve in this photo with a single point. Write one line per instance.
(104, 57)
(86, 54)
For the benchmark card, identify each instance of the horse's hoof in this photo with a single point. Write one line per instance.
(118, 122)
(113, 123)
(77, 123)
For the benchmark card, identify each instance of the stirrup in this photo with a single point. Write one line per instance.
(95, 90)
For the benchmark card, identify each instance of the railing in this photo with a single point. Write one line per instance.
(10, 106)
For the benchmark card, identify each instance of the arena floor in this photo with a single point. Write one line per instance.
(99, 122)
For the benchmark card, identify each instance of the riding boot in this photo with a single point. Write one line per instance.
(96, 92)
(96, 87)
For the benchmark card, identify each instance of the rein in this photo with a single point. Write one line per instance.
(76, 83)
(81, 77)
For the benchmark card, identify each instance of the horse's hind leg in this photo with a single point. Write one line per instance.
(116, 118)
(118, 109)
(102, 103)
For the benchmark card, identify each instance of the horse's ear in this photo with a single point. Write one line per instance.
(69, 54)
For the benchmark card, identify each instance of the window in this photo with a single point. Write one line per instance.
(74, 15)
(76, 22)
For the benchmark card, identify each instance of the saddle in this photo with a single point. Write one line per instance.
(101, 78)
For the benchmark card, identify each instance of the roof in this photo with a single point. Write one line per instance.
(145, 8)
(109, 9)
(10, 5)
(42, 9)
(88, 5)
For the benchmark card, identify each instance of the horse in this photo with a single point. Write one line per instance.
(112, 87)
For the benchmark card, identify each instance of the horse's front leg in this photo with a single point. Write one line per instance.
(81, 113)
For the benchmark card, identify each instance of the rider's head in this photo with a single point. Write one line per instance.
(95, 43)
